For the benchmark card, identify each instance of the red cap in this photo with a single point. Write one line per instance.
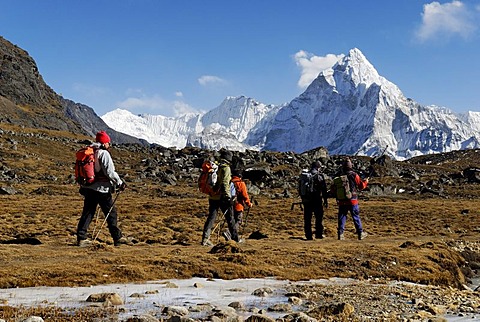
(102, 137)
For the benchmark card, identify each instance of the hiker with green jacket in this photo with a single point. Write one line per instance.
(221, 200)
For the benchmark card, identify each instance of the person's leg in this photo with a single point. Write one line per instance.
(89, 207)
(212, 216)
(238, 216)
(342, 219)
(110, 211)
(318, 212)
(307, 220)
(227, 209)
(355, 211)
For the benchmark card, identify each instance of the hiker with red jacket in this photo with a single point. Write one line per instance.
(100, 192)
(242, 200)
(351, 204)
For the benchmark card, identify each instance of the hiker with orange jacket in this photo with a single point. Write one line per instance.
(242, 200)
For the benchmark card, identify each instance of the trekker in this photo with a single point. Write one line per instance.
(100, 193)
(222, 200)
(313, 201)
(242, 199)
(346, 205)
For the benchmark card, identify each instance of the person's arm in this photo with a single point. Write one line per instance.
(244, 192)
(361, 184)
(108, 167)
(324, 189)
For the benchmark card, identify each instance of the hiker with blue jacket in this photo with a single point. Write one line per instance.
(99, 193)
(348, 200)
(313, 191)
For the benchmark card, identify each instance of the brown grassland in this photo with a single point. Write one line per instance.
(411, 237)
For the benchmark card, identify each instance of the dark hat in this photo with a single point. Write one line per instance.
(315, 165)
(347, 164)
(237, 173)
(226, 155)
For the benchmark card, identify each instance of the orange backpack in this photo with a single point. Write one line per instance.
(85, 166)
(208, 178)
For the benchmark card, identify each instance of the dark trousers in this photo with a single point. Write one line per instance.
(213, 206)
(310, 209)
(227, 209)
(92, 200)
(343, 211)
(238, 217)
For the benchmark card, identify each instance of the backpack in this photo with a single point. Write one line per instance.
(341, 188)
(208, 178)
(233, 192)
(306, 184)
(85, 166)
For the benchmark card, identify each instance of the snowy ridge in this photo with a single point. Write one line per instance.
(349, 108)
(226, 126)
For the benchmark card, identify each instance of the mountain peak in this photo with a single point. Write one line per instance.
(360, 70)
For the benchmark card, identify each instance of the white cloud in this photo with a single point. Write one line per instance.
(448, 19)
(178, 94)
(209, 79)
(155, 105)
(182, 108)
(312, 65)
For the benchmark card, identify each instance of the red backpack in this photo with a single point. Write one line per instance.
(85, 166)
(208, 178)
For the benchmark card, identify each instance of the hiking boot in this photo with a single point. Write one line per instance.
(207, 242)
(121, 241)
(341, 236)
(84, 243)
(362, 235)
(226, 234)
(320, 237)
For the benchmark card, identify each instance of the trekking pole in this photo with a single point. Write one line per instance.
(106, 216)
(374, 160)
(96, 221)
(222, 219)
(244, 226)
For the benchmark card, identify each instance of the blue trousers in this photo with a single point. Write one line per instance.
(343, 211)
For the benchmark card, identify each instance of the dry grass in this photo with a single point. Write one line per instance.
(410, 237)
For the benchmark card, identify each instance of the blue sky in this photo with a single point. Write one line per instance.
(170, 57)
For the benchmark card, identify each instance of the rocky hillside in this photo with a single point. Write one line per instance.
(25, 99)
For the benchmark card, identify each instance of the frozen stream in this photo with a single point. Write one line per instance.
(153, 296)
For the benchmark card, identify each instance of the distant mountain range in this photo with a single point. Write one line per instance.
(349, 109)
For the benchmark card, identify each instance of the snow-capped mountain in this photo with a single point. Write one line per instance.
(232, 125)
(351, 109)
(348, 109)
